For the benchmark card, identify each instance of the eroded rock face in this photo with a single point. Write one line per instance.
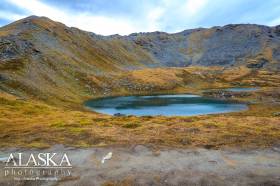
(8, 49)
(258, 63)
(223, 46)
(12, 48)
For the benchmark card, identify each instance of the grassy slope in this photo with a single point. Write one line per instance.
(60, 69)
(30, 123)
(33, 124)
(56, 63)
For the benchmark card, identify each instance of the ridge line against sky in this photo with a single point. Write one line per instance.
(123, 17)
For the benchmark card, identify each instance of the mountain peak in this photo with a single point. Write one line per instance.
(31, 17)
(40, 21)
(29, 24)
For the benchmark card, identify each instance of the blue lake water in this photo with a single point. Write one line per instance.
(241, 89)
(167, 105)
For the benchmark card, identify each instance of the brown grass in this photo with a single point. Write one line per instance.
(31, 123)
(36, 124)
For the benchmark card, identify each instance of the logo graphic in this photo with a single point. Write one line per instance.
(40, 166)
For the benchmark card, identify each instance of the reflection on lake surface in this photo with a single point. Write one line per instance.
(168, 105)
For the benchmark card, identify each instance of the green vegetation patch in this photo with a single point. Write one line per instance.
(131, 125)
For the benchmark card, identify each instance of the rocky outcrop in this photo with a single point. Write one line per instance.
(223, 46)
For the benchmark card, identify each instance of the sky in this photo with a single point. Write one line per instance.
(123, 17)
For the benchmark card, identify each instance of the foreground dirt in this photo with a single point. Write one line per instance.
(141, 165)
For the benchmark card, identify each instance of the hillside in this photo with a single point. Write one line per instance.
(40, 57)
(49, 61)
(47, 70)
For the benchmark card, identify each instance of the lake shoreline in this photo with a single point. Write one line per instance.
(164, 104)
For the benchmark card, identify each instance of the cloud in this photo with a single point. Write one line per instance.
(193, 7)
(10, 16)
(125, 16)
(274, 22)
(105, 25)
(154, 18)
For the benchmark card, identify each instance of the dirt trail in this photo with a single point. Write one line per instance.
(141, 165)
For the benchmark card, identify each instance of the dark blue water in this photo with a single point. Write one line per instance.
(167, 105)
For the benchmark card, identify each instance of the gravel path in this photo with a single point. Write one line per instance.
(141, 165)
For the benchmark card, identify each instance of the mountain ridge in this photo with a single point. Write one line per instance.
(226, 46)
(44, 58)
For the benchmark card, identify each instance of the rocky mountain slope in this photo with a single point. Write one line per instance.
(228, 45)
(232, 45)
(43, 58)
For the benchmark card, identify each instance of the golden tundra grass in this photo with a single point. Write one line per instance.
(34, 124)
(31, 123)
